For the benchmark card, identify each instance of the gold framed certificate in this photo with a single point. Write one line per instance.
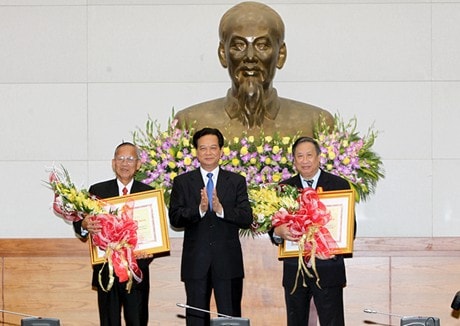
(152, 229)
(341, 205)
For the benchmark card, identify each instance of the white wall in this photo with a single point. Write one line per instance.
(78, 77)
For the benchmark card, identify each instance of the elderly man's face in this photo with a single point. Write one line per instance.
(252, 52)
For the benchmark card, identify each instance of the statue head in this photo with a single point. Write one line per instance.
(251, 47)
(251, 44)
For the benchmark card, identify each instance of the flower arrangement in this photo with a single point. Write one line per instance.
(268, 199)
(118, 236)
(69, 202)
(164, 155)
(262, 159)
(347, 154)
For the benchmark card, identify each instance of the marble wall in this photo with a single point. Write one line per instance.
(79, 76)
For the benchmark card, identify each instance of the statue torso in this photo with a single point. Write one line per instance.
(293, 118)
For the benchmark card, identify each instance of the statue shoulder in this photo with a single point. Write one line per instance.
(203, 106)
(203, 114)
(298, 111)
(297, 107)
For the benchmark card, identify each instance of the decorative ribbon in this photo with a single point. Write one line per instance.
(118, 238)
(307, 224)
(60, 210)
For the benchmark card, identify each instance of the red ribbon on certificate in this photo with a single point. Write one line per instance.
(118, 237)
(307, 225)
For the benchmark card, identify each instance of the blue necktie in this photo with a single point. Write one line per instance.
(209, 189)
(309, 183)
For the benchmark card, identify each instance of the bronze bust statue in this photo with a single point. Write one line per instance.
(251, 48)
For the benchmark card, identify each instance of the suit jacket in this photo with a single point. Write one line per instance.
(108, 189)
(210, 241)
(332, 271)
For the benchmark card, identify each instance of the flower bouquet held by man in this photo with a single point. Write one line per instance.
(117, 236)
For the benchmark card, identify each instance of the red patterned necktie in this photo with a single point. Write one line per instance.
(125, 191)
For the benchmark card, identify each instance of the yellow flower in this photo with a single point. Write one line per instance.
(172, 164)
(260, 149)
(331, 155)
(268, 161)
(194, 152)
(276, 149)
(276, 177)
(236, 140)
(226, 150)
(187, 161)
(243, 150)
(268, 139)
(253, 160)
(346, 160)
(179, 155)
(235, 162)
(329, 167)
(250, 139)
(94, 206)
(153, 163)
(283, 160)
(185, 142)
(172, 175)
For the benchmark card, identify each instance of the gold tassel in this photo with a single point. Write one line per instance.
(302, 269)
(108, 260)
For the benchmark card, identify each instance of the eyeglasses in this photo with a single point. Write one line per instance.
(130, 160)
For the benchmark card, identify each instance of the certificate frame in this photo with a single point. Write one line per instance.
(341, 205)
(149, 212)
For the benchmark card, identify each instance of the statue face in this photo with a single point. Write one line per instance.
(252, 50)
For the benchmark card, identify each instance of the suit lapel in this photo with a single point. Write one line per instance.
(113, 189)
(221, 182)
(136, 187)
(323, 181)
(196, 181)
(298, 182)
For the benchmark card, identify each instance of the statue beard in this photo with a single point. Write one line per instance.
(251, 102)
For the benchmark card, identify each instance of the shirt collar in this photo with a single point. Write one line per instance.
(314, 178)
(121, 186)
(214, 172)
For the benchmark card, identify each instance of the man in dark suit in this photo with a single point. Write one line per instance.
(328, 297)
(211, 255)
(135, 304)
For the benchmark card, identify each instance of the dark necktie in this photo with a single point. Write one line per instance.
(125, 191)
(309, 183)
(209, 189)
